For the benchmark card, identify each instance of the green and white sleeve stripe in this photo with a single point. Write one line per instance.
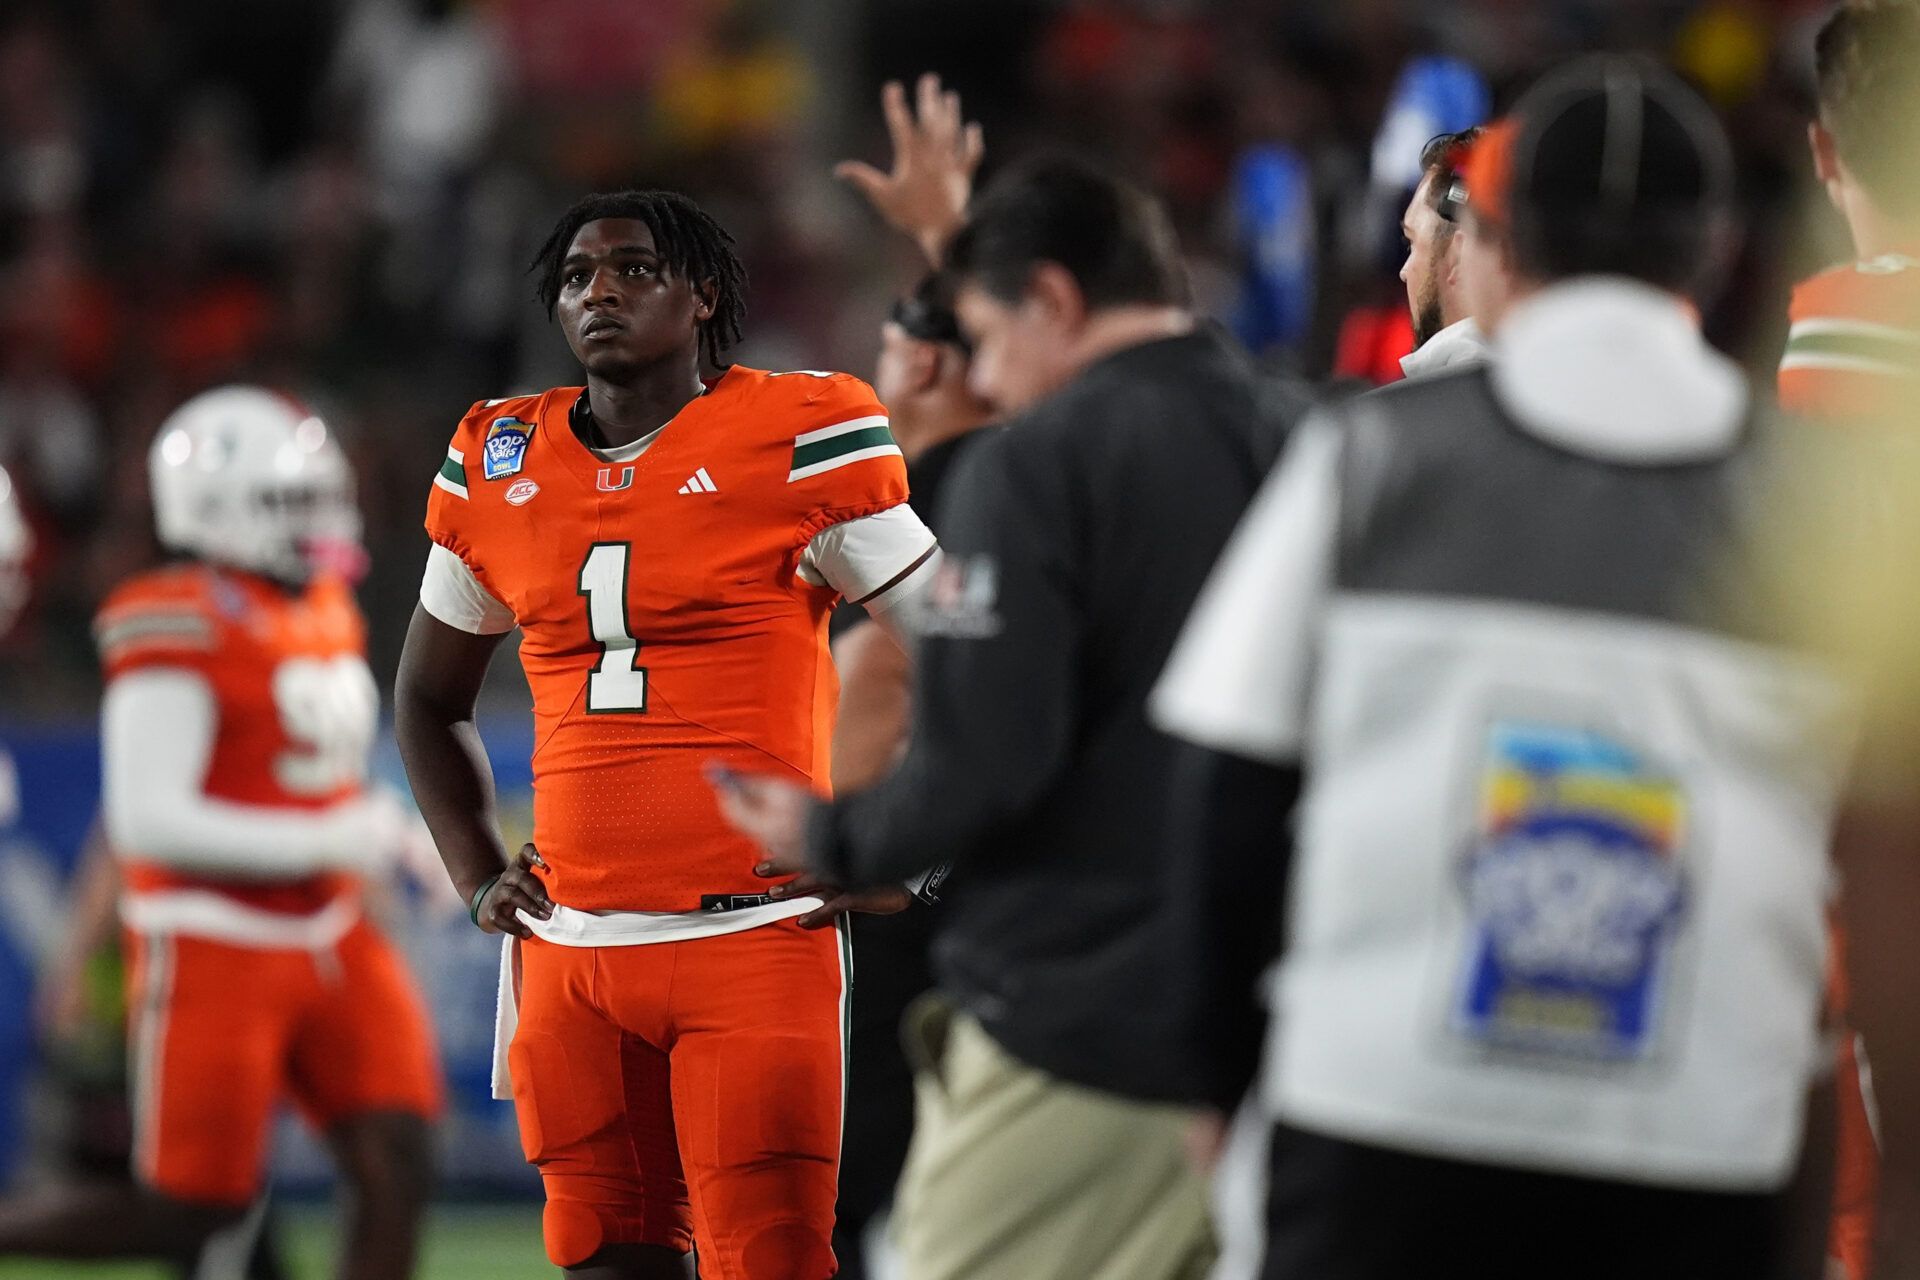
(1855, 346)
(844, 442)
(453, 474)
(185, 628)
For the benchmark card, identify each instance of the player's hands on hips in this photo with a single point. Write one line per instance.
(515, 890)
(934, 158)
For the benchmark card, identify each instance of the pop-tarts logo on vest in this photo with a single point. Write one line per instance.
(1576, 891)
(505, 450)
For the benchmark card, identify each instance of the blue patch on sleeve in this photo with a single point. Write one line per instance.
(505, 450)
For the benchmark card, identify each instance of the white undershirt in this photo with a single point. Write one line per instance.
(631, 451)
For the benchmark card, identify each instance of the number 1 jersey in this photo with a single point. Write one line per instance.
(666, 624)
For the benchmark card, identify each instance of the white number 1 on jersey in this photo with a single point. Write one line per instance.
(615, 684)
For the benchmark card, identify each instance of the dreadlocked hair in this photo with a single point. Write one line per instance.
(690, 243)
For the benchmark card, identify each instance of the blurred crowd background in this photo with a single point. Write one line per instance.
(339, 198)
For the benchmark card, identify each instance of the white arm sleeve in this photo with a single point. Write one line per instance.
(882, 561)
(157, 733)
(1238, 677)
(451, 593)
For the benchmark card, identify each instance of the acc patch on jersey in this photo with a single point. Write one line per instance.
(1574, 892)
(505, 449)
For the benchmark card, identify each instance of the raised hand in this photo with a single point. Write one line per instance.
(935, 155)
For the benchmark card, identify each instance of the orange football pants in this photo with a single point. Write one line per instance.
(222, 1034)
(682, 1093)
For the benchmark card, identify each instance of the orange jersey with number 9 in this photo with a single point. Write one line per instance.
(296, 706)
(664, 624)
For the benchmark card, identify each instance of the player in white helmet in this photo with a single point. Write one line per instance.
(236, 723)
(253, 480)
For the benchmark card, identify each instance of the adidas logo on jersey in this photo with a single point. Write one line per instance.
(700, 482)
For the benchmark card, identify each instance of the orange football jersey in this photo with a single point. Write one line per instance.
(664, 624)
(297, 707)
(1853, 350)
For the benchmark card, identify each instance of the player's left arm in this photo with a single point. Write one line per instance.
(876, 699)
(996, 694)
(848, 486)
(848, 483)
(882, 562)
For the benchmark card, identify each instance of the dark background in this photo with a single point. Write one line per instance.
(340, 199)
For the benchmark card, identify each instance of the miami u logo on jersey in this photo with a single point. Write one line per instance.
(608, 484)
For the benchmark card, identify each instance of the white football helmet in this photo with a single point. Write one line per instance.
(16, 544)
(252, 479)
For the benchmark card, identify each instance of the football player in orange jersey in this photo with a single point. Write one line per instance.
(670, 549)
(1853, 355)
(235, 729)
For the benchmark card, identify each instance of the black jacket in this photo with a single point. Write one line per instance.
(1076, 539)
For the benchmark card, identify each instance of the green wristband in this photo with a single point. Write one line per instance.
(480, 895)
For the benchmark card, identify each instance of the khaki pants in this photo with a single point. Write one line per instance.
(1014, 1175)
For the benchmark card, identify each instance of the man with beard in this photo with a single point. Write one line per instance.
(1444, 333)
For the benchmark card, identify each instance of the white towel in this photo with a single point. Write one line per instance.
(506, 1019)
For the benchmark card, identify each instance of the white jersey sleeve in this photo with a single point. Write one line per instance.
(157, 735)
(1238, 677)
(450, 592)
(881, 561)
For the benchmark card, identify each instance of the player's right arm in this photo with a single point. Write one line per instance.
(162, 646)
(157, 737)
(441, 669)
(456, 628)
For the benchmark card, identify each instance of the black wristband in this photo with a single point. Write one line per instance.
(480, 895)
